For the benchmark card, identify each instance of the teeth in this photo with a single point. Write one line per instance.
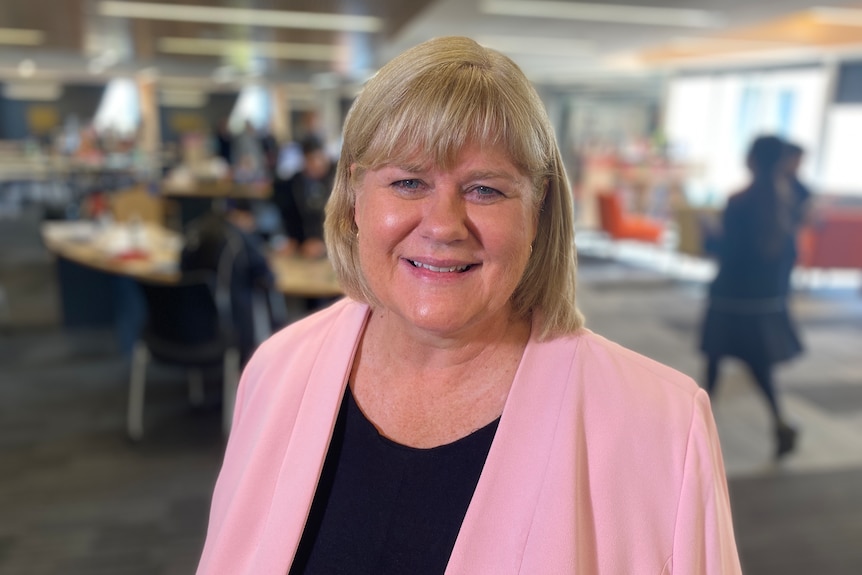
(439, 270)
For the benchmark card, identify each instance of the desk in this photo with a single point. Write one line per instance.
(217, 189)
(106, 250)
(98, 277)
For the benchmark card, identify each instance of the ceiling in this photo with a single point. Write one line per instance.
(559, 43)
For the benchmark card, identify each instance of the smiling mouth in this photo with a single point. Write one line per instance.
(450, 269)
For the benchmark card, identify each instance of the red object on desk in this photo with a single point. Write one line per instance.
(132, 255)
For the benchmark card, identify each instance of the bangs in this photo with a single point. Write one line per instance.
(441, 112)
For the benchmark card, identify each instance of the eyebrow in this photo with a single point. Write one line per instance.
(475, 175)
(492, 174)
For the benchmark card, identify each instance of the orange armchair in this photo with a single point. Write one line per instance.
(620, 225)
(832, 241)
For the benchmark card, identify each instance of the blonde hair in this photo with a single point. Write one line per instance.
(431, 101)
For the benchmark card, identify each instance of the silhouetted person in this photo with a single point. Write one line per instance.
(748, 316)
(800, 196)
(224, 142)
(301, 200)
(797, 195)
(247, 154)
(270, 150)
(207, 241)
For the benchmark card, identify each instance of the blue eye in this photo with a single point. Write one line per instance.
(486, 194)
(407, 184)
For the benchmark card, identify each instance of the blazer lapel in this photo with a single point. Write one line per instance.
(494, 533)
(309, 442)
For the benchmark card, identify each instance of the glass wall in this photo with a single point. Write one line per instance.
(711, 119)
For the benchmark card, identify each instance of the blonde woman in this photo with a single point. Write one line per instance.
(452, 414)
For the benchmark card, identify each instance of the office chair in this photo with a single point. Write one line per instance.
(189, 324)
(204, 321)
(622, 225)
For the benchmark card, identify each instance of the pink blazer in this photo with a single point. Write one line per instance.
(604, 462)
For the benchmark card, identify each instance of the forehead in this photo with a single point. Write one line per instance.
(418, 157)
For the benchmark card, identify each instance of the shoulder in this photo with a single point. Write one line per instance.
(742, 206)
(596, 355)
(605, 357)
(738, 200)
(610, 380)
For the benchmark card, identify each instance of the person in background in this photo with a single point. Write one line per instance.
(797, 197)
(290, 156)
(301, 201)
(452, 414)
(801, 195)
(219, 239)
(270, 151)
(747, 315)
(248, 160)
(223, 142)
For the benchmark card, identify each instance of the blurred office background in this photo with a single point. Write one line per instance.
(116, 114)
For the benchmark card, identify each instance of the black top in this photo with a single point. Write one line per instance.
(382, 507)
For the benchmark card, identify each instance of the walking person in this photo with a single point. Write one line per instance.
(748, 316)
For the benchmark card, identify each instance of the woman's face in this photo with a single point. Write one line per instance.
(444, 250)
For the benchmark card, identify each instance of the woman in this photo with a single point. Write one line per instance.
(452, 414)
(748, 316)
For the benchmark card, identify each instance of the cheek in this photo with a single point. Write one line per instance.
(386, 218)
(390, 220)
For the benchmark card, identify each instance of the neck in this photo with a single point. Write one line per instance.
(412, 346)
(426, 390)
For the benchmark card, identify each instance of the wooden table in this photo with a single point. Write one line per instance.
(217, 189)
(151, 253)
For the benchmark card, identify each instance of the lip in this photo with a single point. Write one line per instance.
(438, 267)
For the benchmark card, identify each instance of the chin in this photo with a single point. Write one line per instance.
(438, 321)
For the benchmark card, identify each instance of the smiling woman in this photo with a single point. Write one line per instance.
(452, 414)
(444, 249)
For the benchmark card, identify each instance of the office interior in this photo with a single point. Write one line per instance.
(109, 120)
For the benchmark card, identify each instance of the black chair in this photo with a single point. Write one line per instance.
(190, 325)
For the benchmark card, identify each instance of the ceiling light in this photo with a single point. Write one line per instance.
(21, 37)
(285, 50)
(241, 16)
(613, 13)
(535, 45)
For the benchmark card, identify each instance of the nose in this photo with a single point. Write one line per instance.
(445, 216)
